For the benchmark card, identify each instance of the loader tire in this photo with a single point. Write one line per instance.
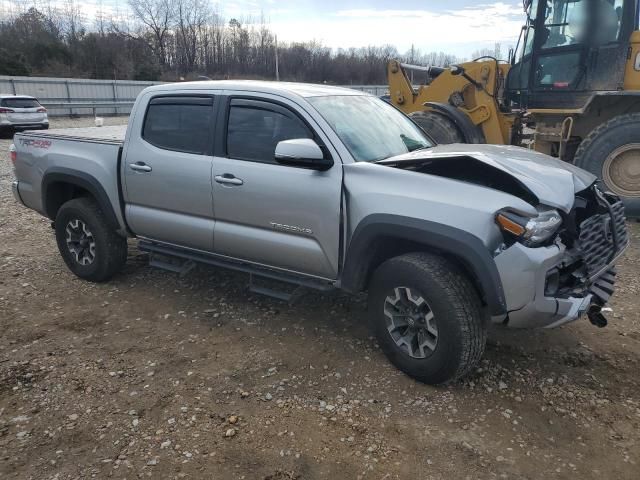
(612, 153)
(428, 317)
(438, 127)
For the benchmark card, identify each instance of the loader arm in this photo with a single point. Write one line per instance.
(473, 88)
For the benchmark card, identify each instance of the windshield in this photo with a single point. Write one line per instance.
(371, 129)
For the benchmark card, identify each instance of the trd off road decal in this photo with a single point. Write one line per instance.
(35, 143)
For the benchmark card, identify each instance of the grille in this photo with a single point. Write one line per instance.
(597, 238)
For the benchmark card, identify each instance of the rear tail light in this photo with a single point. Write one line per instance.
(13, 154)
(42, 110)
(6, 110)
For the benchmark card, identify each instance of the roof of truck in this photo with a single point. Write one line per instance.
(280, 88)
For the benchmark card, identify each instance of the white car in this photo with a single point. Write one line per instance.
(22, 112)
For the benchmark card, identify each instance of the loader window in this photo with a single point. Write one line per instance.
(569, 22)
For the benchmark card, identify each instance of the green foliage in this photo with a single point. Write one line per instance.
(13, 64)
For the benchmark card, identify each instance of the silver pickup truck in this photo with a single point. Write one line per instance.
(329, 188)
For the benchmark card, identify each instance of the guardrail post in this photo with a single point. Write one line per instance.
(115, 96)
(13, 86)
(66, 83)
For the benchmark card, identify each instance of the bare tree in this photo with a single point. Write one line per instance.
(159, 16)
(173, 39)
(191, 21)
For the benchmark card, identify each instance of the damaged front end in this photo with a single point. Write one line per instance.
(595, 235)
(573, 273)
(556, 259)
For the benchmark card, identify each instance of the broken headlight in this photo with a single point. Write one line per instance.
(530, 231)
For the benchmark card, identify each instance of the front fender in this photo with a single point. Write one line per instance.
(466, 248)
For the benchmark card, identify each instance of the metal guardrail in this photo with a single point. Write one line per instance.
(119, 106)
(79, 96)
(124, 106)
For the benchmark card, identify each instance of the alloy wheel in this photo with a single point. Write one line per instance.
(80, 242)
(410, 322)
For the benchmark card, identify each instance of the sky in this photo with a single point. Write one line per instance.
(454, 26)
(459, 27)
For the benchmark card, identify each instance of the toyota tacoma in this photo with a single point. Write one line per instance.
(329, 188)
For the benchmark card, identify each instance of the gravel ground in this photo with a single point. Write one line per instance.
(152, 375)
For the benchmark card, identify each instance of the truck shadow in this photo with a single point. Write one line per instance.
(337, 323)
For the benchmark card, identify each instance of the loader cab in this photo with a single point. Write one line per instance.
(569, 49)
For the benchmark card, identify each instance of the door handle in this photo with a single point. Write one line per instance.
(228, 179)
(140, 167)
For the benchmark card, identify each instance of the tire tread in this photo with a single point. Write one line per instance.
(465, 307)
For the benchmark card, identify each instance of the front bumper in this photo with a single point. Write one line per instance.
(524, 273)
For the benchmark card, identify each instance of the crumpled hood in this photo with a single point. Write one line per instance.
(552, 181)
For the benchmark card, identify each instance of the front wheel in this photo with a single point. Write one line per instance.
(88, 245)
(427, 317)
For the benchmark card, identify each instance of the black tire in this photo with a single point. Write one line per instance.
(438, 127)
(461, 320)
(108, 251)
(595, 150)
(6, 132)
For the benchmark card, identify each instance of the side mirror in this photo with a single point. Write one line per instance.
(302, 152)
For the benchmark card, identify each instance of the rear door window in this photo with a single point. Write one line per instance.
(181, 124)
(20, 103)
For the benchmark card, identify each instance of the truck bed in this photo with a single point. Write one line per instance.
(112, 135)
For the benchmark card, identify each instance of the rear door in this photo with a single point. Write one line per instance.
(167, 170)
(281, 216)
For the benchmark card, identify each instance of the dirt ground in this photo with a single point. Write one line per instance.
(152, 375)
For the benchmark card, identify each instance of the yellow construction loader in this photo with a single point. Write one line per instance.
(570, 89)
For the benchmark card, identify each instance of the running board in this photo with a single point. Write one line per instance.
(190, 258)
(180, 268)
(288, 297)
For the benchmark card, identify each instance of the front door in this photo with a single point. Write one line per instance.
(271, 214)
(167, 171)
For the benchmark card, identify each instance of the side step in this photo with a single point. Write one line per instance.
(288, 297)
(182, 261)
(165, 263)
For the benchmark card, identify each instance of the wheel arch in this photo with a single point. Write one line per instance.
(380, 237)
(62, 184)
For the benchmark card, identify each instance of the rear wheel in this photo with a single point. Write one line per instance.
(438, 127)
(427, 317)
(88, 245)
(612, 152)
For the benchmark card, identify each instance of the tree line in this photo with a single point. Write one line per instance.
(178, 39)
